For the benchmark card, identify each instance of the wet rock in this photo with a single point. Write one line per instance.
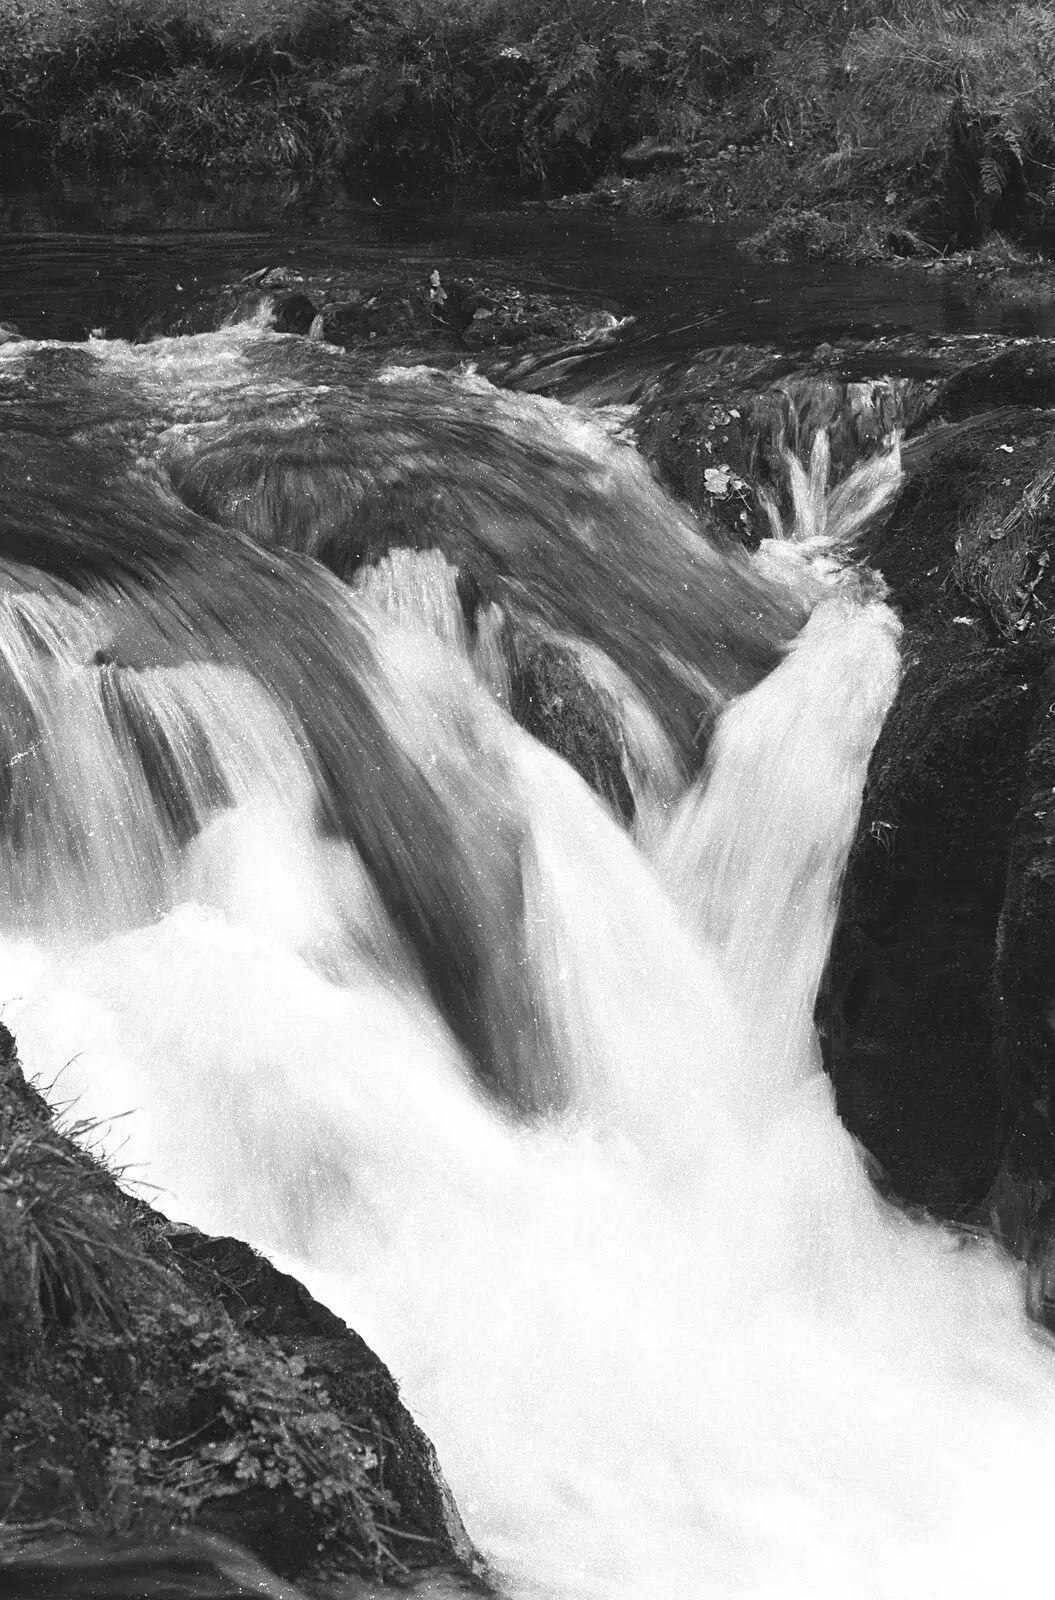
(721, 453)
(551, 696)
(973, 527)
(294, 313)
(342, 323)
(935, 1018)
(433, 317)
(1024, 990)
(910, 1026)
(704, 451)
(1024, 375)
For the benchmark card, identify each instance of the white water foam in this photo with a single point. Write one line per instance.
(668, 1344)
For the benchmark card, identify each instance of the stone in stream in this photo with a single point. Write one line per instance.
(936, 1019)
(719, 448)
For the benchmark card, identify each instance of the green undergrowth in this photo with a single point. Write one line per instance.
(930, 122)
(524, 91)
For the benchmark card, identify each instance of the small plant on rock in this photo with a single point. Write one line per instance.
(62, 1258)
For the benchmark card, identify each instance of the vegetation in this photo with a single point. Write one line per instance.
(142, 1390)
(63, 1257)
(927, 119)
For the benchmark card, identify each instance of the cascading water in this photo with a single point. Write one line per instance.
(665, 1337)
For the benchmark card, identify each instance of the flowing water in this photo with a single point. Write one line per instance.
(272, 847)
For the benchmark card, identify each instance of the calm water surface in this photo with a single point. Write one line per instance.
(76, 257)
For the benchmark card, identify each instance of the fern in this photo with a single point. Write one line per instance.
(991, 177)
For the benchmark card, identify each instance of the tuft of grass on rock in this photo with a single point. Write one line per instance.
(63, 1257)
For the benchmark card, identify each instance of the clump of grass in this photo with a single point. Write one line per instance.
(839, 233)
(963, 92)
(523, 90)
(65, 1258)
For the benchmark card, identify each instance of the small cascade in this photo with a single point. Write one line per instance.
(754, 853)
(417, 588)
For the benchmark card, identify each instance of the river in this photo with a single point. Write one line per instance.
(371, 978)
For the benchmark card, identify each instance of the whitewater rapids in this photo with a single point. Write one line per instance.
(667, 1341)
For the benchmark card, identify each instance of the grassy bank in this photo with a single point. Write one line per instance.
(888, 123)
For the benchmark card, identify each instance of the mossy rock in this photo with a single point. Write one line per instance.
(969, 538)
(722, 452)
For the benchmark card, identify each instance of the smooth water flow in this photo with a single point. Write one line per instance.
(666, 1339)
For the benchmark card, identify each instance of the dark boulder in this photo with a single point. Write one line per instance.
(293, 313)
(1023, 969)
(1023, 375)
(935, 1015)
(552, 697)
(910, 1025)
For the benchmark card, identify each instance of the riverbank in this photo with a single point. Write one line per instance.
(863, 130)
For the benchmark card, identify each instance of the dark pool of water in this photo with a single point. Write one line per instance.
(105, 255)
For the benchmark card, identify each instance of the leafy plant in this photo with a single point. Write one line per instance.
(268, 1423)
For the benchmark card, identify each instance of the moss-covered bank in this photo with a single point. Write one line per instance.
(842, 127)
(154, 1381)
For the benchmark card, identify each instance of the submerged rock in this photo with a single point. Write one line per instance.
(193, 1566)
(552, 697)
(432, 316)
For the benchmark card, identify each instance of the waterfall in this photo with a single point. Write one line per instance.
(634, 1283)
